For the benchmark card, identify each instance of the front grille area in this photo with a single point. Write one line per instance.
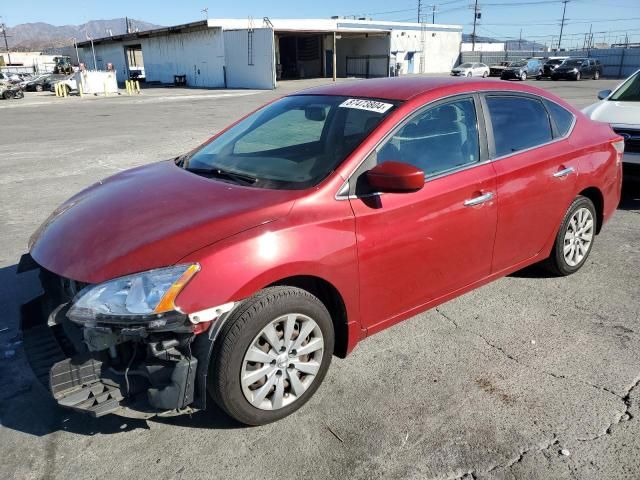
(631, 139)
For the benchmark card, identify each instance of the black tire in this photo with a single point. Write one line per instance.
(556, 262)
(236, 337)
(523, 76)
(596, 75)
(39, 88)
(7, 94)
(469, 74)
(485, 75)
(578, 76)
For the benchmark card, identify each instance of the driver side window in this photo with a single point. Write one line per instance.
(436, 140)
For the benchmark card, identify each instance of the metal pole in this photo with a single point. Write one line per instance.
(75, 44)
(520, 41)
(95, 64)
(433, 14)
(6, 45)
(473, 35)
(335, 66)
(419, 10)
(564, 10)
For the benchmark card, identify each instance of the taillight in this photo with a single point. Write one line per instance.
(619, 146)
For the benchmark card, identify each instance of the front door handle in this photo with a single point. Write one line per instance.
(478, 200)
(564, 172)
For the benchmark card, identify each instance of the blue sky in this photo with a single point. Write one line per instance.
(538, 19)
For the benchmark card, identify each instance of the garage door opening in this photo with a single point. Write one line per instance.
(135, 62)
(299, 56)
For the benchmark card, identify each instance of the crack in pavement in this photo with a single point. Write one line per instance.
(514, 461)
(624, 416)
(531, 367)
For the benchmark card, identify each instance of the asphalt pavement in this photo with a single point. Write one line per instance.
(529, 377)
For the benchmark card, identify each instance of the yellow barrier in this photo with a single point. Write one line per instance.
(56, 88)
(64, 90)
(138, 87)
(106, 92)
(80, 90)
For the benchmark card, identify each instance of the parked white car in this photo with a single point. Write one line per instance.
(469, 69)
(621, 109)
(69, 82)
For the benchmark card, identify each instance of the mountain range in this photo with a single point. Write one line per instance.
(40, 35)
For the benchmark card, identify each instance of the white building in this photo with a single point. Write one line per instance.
(238, 53)
(483, 47)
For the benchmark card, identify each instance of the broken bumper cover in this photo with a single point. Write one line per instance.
(99, 369)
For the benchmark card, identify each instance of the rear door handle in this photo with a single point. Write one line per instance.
(478, 200)
(564, 173)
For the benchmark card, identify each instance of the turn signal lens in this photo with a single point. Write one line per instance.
(166, 303)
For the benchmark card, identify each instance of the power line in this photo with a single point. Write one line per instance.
(564, 10)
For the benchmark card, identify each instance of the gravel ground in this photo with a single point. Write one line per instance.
(526, 378)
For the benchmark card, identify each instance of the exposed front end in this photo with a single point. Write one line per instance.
(135, 365)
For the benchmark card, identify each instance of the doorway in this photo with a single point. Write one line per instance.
(135, 62)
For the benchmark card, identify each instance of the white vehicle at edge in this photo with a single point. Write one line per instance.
(469, 69)
(621, 109)
(70, 82)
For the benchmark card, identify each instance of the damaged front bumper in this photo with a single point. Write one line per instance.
(129, 369)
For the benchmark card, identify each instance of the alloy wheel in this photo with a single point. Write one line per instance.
(282, 361)
(578, 236)
(523, 77)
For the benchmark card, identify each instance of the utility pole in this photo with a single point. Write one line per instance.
(419, 11)
(6, 44)
(433, 13)
(520, 41)
(564, 10)
(589, 39)
(475, 18)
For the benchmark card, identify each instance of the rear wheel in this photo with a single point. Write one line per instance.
(578, 76)
(7, 94)
(596, 75)
(272, 355)
(485, 74)
(575, 238)
(39, 88)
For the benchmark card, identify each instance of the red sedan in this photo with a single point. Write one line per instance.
(236, 271)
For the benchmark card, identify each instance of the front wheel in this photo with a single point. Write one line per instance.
(578, 76)
(39, 88)
(7, 95)
(469, 74)
(523, 76)
(596, 76)
(575, 238)
(271, 356)
(485, 74)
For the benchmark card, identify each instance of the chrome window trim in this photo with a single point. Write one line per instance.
(395, 129)
(524, 95)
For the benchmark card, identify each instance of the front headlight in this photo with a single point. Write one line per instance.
(132, 297)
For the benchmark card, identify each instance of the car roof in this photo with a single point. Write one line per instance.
(408, 87)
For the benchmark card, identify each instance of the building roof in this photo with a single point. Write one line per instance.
(314, 25)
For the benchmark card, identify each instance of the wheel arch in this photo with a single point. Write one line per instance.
(330, 296)
(595, 195)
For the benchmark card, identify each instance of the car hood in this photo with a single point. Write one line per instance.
(148, 217)
(609, 111)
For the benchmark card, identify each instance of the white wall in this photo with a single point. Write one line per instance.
(239, 73)
(198, 55)
(482, 47)
(442, 48)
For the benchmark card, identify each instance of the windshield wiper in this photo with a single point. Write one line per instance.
(227, 174)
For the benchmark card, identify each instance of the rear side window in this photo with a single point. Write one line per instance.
(561, 117)
(518, 123)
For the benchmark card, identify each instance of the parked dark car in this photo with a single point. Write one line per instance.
(578, 68)
(37, 84)
(497, 69)
(549, 67)
(522, 69)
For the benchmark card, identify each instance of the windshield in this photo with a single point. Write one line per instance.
(554, 62)
(517, 64)
(572, 63)
(292, 143)
(465, 65)
(629, 91)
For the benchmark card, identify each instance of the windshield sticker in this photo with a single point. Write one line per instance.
(371, 105)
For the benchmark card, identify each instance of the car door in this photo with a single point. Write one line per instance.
(477, 70)
(535, 171)
(416, 247)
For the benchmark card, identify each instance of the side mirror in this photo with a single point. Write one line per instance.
(602, 94)
(315, 113)
(395, 177)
